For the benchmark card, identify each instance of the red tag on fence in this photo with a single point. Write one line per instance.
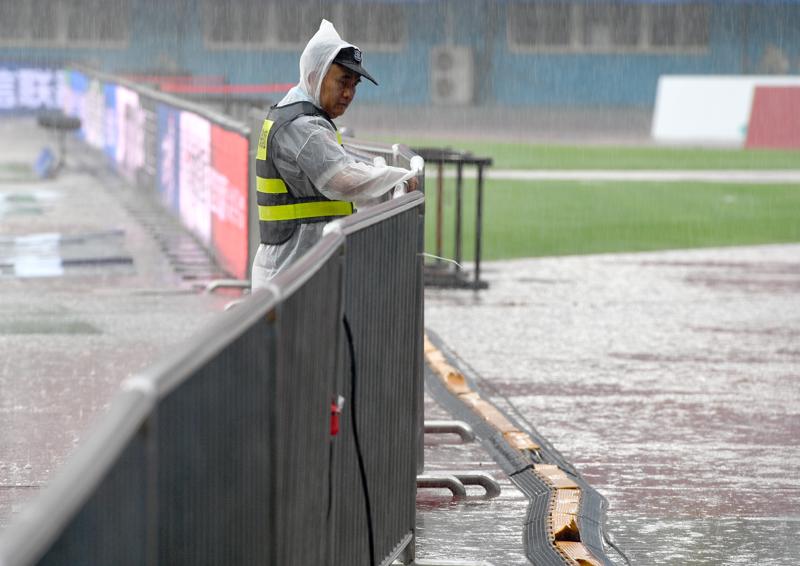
(334, 419)
(336, 410)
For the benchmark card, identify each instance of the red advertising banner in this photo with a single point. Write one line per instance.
(229, 199)
(775, 118)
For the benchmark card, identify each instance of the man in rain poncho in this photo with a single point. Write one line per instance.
(304, 177)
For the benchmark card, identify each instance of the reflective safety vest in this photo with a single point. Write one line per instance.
(280, 208)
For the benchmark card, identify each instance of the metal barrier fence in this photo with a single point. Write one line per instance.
(400, 155)
(222, 453)
(382, 298)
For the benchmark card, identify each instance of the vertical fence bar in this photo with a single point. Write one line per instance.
(439, 209)
(150, 429)
(459, 179)
(478, 225)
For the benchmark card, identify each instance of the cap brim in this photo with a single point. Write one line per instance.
(357, 69)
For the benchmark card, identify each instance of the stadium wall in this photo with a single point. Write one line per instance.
(169, 38)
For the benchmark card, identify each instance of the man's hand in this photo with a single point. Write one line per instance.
(412, 184)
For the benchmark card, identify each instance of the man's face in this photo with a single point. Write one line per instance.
(338, 90)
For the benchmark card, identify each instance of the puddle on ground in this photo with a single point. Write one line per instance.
(55, 254)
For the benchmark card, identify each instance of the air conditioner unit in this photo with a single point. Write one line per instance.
(452, 77)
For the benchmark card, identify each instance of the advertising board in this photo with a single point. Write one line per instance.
(708, 109)
(26, 89)
(194, 150)
(94, 115)
(168, 120)
(775, 118)
(110, 124)
(77, 85)
(130, 132)
(198, 169)
(229, 199)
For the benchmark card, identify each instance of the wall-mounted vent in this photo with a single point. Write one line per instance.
(452, 77)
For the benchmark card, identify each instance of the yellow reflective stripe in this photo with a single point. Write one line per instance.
(262, 140)
(270, 186)
(304, 210)
(339, 137)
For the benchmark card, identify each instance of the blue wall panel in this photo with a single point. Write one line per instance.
(167, 37)
(609, 79)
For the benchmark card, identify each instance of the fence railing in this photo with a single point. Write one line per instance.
(223, 451)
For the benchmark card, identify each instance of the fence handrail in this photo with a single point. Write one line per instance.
(359, 146)
(180, 103)
(288, 282)
(375, 214)
(367, 146)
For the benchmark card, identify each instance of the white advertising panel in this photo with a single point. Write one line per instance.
(95, 115)
(194, 175)
(707, 109)
(130, 131)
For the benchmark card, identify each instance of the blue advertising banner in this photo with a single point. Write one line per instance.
(26, 89)
(110, 146)
(168, 180)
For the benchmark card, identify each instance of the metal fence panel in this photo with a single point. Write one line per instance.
(381, 304)
(112, 528)
(96, 509)
(348, 529)
(215, 449)
(310, 323)
(243, 442)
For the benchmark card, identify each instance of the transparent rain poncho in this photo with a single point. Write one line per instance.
(308, 148)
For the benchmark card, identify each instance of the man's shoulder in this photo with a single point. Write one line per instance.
(306, 123)
(300, 110)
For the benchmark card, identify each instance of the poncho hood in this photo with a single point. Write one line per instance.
(317, 57)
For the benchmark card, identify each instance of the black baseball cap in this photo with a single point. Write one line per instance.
(350, 58)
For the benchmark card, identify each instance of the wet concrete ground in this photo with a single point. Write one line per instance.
(87, 298)
(672, 381)
(476, 529)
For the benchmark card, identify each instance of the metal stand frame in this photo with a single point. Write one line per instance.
(440, 273)
(60, 123)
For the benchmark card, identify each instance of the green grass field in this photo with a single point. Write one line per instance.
(539, 218)
(538, 156)
(527, 219)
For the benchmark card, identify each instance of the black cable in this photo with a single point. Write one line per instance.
(361, 467)
(612, 544)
